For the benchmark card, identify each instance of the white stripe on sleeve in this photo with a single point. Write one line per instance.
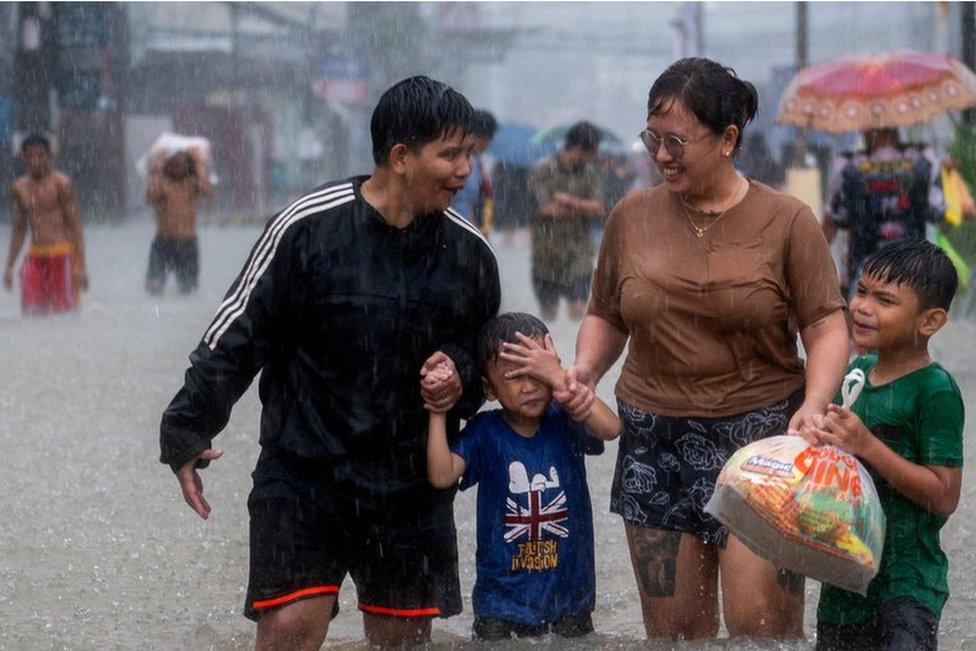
(235, 305)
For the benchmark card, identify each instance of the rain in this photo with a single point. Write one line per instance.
(269, 101)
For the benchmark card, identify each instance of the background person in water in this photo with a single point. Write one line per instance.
(175, 186)
(54, 272)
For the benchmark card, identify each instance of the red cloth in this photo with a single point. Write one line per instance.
(46, 281)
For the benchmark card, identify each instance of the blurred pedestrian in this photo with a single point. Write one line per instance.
(756, 162)
(887, 192)
(176, 183)
(709, 277)
(568, 197)
(616, 178)
(54, 271)
(473, 201)
(512, 204)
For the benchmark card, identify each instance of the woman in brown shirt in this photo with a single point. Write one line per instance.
(710, 277)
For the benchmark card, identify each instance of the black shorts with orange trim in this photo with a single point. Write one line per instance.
(305, 538)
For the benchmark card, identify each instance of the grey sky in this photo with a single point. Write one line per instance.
(597, 60)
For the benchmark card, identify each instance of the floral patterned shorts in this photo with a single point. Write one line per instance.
(667, 466)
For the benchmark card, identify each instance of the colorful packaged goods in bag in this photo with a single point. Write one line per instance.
(812, 510)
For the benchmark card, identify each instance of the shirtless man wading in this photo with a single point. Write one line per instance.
(54, 272)
(175, 185)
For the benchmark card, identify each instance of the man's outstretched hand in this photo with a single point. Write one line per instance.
(192, 485)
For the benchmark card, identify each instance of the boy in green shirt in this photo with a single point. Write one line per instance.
(906, 427)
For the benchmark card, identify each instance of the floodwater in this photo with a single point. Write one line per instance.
(97, 548)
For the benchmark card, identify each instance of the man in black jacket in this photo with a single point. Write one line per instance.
(350, 296)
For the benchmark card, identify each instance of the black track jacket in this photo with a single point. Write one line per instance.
(340, 310)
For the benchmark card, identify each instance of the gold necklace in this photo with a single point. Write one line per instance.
(699, 231)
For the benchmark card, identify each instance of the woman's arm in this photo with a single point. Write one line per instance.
(828, 350)
(811, 278)
(598, 346)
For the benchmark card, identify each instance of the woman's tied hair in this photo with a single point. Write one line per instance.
(712, 92)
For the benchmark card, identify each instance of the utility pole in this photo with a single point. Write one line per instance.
(235, 50)
(687, 24)
(968, 20)
(802, 60)
(700, 29)
(35, 64)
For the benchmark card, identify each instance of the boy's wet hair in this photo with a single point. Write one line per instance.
(502, 329)
(416, 111)
(35, 140)
(918, 264)
(584, 135)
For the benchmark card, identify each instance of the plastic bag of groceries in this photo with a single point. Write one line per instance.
(812, 510)
(168, 144)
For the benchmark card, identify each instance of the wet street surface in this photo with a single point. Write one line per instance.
(98, 549)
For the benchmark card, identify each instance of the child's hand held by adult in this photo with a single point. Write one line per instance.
(440, 384)
(577, 402)
(577, 398)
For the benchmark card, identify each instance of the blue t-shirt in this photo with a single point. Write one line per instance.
(535, 523)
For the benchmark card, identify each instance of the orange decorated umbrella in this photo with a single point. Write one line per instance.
(890, 90)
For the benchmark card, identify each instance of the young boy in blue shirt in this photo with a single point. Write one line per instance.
(906, 427)
(535, 569)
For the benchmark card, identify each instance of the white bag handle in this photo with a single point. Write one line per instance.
(851, 387)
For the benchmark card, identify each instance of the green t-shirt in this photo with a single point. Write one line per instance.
(920, 416)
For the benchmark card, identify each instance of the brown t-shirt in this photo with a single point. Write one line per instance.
(712, 322)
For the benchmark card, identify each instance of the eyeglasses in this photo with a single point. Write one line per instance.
(674, 145)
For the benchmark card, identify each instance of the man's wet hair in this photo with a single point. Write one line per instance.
(712, 92)
(584, 135)
(918, 264)
(501, 329)
(484, 124)
(179, 166)
(417, 111)
(35, 140)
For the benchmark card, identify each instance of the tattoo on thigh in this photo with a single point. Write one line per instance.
(656, 558)
(793, 582)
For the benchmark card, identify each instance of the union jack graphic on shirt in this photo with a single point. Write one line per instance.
(535, 517)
